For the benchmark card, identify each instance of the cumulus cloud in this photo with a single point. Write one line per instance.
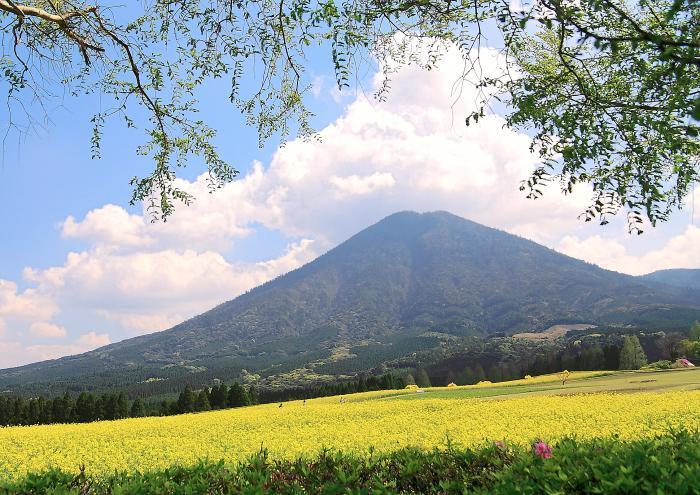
(679, 251)
(149, 291)
(45, 329)
(354, 185)
(409, 152)
(14, 353)
(26, 305)
(109, 225)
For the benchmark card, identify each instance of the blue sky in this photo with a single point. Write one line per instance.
(81, 268)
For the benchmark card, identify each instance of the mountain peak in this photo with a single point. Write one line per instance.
(406, 275)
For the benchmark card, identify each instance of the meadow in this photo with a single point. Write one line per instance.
(625, 406)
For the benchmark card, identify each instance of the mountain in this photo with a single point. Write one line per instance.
(684, 278)
(395, 288)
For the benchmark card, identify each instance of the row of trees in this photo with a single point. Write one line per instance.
(626, 353)
(474, 369)
(68, 409)
(386, 381)
(506, 358)
(88, 407)
(217, 397)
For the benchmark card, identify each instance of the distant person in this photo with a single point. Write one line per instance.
(280, 404)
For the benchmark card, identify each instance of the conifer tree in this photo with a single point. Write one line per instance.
(138, 409)
(238, 396)
(33, 412)
(85, 407)
(202, 402)
(466, 377)
(219, 396)
(422, 378)
(185, 402)
(110, 406)
(479, 373)
(253, 395)
(44, 411)
(122, 410)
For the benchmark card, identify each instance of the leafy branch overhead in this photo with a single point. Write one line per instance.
(608, 89)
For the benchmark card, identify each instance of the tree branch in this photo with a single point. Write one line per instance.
(60, 19)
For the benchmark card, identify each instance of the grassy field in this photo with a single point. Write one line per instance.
(579, 383)
(623, 405)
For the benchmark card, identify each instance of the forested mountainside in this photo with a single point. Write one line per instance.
(395, 288)
(684, 278)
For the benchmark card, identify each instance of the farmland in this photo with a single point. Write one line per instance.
(591, 405)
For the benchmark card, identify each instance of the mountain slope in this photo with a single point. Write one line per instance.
(684, 278)
(389, 284)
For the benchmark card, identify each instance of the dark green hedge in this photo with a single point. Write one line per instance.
(668, 464)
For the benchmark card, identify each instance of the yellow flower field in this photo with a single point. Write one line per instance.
(294, 429)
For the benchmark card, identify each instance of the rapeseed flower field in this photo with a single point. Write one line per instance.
(298, 429)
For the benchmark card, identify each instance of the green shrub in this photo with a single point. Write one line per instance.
(666, 464)
(659, 365)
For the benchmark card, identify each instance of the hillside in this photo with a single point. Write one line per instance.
(684, 278)
(372, 299)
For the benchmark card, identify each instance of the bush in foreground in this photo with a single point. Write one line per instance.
(666, 464)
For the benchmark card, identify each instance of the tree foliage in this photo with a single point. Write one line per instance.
(695, 331)
(632, 356)
(238, 396)
(608, 88)
(611, 92)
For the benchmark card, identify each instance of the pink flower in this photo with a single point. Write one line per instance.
(542, 450)
(499, 444)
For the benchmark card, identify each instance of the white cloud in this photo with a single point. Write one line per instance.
(45, 329)
(680, 251)
(110, 225)
(354, 185)
(149, 291)
(410, 152)
(26, 305)
(137, 323)
(14, 353)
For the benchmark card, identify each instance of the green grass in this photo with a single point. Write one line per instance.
(614, 381)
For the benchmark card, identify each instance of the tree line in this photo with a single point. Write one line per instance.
(88, 407)
(614, 352)
(502, 359)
